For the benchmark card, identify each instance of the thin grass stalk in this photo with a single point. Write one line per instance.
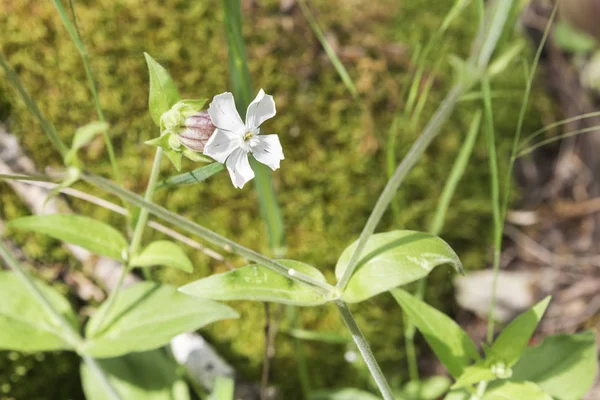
(73, 32)
(46, 126)
(242, 90)
(495, 198)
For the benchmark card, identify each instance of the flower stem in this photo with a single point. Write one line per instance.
(415, 152)
(206, 234)
(365, 350)
(137, 235)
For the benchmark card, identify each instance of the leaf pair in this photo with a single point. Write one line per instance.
(389, 260)
(104, 240)
(564, 366)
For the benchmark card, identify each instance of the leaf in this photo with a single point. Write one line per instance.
(163, 252)
(507, 390)
(393, 259)
(449, 342)
(428, 389)
(259, 283)
(148, 375)
(196, 176)
(563, 365)
(514, 338)
(571, 39)
(474, 374)
(344, 394)
(163, 92)
(147, 316)
(24, 324)
(325, 337)
(91, 234)
(83, 136)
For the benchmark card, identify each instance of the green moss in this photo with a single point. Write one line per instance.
(334, 146)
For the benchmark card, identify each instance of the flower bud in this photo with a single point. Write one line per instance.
(196, 131)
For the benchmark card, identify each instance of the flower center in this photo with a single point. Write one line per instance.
(248, 135)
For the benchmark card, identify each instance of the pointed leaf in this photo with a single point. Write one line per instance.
(83, 136)
(91, 234)
(258, 283)
(507, 390)
(196, 176)
(564, 366)
(147, 316)
(393, 259)
(163, 92)
(163, 252)
(149, 375)
(474, 374)
(449, 342)
(24, 323)
(514, 338)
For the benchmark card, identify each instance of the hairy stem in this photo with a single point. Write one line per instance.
(365, 350)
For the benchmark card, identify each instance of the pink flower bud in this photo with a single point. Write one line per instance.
(196, 131)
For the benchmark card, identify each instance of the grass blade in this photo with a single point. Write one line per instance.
(337, 64)
(242, 91)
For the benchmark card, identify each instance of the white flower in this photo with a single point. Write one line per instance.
(233, 140)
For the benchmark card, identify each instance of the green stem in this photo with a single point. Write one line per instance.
(429, 133)
(70, 333)
(365, 350)
(206, 234)
(137, 235)
(101, 375)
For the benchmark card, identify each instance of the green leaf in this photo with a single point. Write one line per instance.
(175, 157)
(571, 39)
(513, 339)
(449, 342)
(147, 316)
(163, 252)
(196, 176)
(325, 337)
(393, 259)
(344, 394)
(460, 394)
(563, 365)
(163, 92)
(91, 234)
(24, 324)
(507, 390)
(474, 374)
(83, 136)
(148, 375)
(428, 389)
(259, 283)
(224, 389)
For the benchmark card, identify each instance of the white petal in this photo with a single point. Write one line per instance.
(224, 115)
(261, 109)
(268, 151)
(221, 144)
(239, 168)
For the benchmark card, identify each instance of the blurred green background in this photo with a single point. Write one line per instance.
(335, 149)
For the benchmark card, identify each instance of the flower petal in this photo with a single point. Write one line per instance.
(268, 151)
(239, 168)
(261, 109)
(224, 115)
(221, 144)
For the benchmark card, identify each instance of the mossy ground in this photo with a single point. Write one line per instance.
(335, 146)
